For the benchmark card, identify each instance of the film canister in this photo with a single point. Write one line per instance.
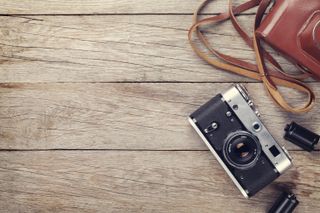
(286, 203)
(301, 136)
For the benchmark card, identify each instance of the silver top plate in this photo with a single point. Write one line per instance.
(242, 107)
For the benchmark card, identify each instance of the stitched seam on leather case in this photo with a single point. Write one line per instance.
(298, 39)
(284, 4)
(261, 33)
(314, 34)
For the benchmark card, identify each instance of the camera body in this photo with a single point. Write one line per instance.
(229, 125)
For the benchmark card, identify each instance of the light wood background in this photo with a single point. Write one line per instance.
(94, 97)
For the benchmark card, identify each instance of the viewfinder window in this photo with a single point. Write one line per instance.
(274, 151)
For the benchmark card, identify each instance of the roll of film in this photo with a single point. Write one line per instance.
(286, 203)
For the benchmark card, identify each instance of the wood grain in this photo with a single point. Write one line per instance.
(122, 116)
(113, 49)
(129, 181)
(94, 97)
(55, 7)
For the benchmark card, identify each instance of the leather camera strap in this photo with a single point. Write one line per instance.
(270, 78)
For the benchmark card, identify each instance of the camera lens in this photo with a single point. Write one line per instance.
(241, 150)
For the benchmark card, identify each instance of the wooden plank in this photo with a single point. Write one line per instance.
(112, 49)
(123, 116)
(131, 181)
(108, 6)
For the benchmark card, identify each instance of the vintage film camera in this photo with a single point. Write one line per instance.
(230, 127)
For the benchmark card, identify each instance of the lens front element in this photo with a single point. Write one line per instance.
(241, 149)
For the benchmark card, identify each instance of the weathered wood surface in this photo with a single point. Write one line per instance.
(121, 116)
(112, 49)
(118, 79)
(109, 6)
(129, 181)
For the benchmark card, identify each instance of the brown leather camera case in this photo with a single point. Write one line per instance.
(293, 28)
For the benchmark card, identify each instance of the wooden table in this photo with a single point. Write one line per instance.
(93, 104)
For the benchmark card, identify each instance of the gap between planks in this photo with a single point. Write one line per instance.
(8, 84)
(117, 14)
(120, 150)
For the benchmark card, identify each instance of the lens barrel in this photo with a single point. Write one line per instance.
(241, 149)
